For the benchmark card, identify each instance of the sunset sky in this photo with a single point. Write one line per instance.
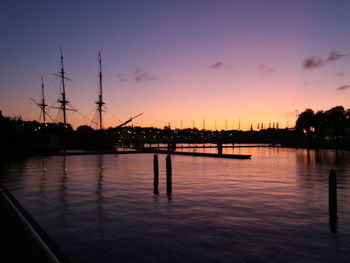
(257, 61)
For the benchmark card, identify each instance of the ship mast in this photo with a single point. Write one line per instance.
(63, 100)
(100, 100)
(43, 105)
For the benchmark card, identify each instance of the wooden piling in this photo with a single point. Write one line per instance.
(219, 146)
(168, 175)
(332, 194)
(156, 174)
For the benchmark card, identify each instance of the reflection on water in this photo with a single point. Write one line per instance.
(43, 181)
(99, 177)
(272, 208)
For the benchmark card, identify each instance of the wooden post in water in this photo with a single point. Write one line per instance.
(332, 195)
(168, 175)
(219, 146)
(156, 175)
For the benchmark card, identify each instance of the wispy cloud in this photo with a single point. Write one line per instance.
(135, 74)
(217, 65)
(264, 69)
(335, 55)
(312, 62)
(339, 74)
(344, 87)
(315, 62)
(142, 76)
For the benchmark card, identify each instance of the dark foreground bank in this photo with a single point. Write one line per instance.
(22, 239)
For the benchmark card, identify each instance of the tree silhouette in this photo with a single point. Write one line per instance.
(333, 123)
(305, 121)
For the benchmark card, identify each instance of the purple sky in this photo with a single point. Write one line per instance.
(257, 61)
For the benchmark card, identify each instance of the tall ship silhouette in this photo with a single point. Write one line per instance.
(65, 105)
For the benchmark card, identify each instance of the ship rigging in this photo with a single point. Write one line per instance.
(65, 104)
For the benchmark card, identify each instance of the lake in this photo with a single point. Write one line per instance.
(270, 208)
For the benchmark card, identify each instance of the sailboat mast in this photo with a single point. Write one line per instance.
(43, 105)
(100, 100)
(63, 101)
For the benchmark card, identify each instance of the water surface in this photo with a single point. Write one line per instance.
(272, 208)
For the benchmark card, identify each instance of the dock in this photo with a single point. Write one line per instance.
(228, 156)
(141, 151)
